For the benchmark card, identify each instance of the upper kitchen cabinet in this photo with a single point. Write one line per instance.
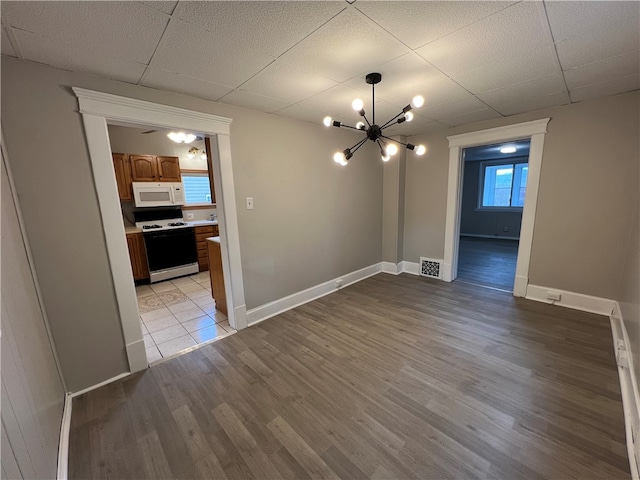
(151, 168)
(169, 169)
(123, 175)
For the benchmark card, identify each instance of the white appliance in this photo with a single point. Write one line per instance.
(158, 194)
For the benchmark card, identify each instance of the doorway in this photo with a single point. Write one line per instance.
(493, 194)
(535, 131)
(99, 109)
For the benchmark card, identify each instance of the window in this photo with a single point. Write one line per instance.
(503, 185)
(196, 188)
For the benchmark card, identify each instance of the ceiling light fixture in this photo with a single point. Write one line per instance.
(508, 149)
(181, 137)
(374, 131)
(193, 151)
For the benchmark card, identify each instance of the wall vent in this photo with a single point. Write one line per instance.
(430, 267)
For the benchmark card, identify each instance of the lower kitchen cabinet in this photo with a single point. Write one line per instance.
(202, 233)
(216, 275)
(138, 256)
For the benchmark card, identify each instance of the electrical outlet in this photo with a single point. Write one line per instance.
(339, 283)
(555, 296)
(249, 202)
(190, 216)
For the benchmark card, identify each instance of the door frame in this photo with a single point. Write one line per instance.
(100, 109)
(536, 131)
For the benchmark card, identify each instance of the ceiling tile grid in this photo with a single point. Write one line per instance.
(471, 60)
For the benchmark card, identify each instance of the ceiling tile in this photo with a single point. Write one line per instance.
(7, 48)
(569, 19)
(402, 77)
(287, 82)
(531, 103)
(611, 87)
(76, 58)
(268, 27)
(344, 47)
(417, 126)
(418, 23)
(302, 113)
(194, 52)
(336, 102)
(609, 69)
(537, 63)
(599, 45)
(166, 7)
(254, 101)
(175, 82)
(508, 35)
(118, 29)
(436, 91)
(538, 87)
(469, 103)
(470, 117)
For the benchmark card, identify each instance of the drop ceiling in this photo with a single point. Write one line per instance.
(471, 60)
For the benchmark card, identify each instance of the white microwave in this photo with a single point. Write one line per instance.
(158, 194)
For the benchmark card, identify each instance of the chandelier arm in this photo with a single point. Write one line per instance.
(358, 144)
(394, 140)
(349, 126)
(388, 124)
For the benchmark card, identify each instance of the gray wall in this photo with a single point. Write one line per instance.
(32, 390)
(483, 222)
(630, 286)
(583, 202)
(313, 220)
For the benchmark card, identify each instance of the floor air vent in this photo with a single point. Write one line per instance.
(430, 267)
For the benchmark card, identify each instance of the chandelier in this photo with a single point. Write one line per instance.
(373, 131)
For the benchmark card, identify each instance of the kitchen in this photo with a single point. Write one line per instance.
(169, 214)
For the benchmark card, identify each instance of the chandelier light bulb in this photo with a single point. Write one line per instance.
(408, 116)
(327, 121)
(385, 157)
(391, 149)
(203, 156)
(190, 155)
(420, 150)
(417, 101)
(357, 105)
(360, 126)
(338, 157)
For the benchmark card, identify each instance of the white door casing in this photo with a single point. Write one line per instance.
(535, 130)
(99, 109)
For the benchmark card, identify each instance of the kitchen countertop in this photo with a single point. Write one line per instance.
(194, 223)
(214, 239)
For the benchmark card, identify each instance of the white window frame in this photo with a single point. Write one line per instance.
(491, 163)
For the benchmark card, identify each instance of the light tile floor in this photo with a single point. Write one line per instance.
(179, 314)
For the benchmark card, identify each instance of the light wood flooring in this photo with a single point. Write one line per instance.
(490, 262)
(393, 377)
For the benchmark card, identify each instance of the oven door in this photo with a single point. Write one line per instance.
(168, 249)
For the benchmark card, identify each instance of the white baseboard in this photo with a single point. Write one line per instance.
(629, 390)
(411, 267)
(392, 268)
(137, 355)
(520, 286)
(268, 310)
(101, 384)
(63, 444)
(240, 317)
(577, 301)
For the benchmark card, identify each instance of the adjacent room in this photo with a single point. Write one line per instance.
(324, 239)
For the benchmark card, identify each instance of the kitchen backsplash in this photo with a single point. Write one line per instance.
(200, 214)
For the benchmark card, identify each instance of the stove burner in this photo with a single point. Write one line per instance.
(148, 227)
(177, 224)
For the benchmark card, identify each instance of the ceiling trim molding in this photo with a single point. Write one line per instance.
(120, 108)
(499, 134)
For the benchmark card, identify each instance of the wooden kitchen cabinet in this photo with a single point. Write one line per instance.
(217, 276)
(202, 233)
(151, 168)
(123, 175)
(138, 256)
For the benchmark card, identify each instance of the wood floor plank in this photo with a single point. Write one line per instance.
(392, 377)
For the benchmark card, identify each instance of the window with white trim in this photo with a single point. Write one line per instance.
(197, 190)
(503, 185)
